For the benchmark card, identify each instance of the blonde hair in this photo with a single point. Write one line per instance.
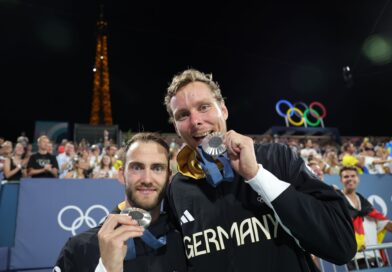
(184, 78)
(41, 138)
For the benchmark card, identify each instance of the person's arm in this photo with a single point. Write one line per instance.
(32, 171)
(54, 171)
(32, 167)
(7, 168)
(309, 210)
(313, 212)
(68, 175)
(62, 162)
(389, 226)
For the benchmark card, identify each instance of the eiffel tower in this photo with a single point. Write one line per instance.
(101, 109)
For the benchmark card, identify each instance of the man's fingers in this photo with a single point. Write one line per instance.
(113, 220)
(121, 234)
(232, 142)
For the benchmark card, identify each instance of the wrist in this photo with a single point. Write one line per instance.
(252, 174)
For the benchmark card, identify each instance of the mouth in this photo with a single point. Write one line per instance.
(146, 191)
(199, 136)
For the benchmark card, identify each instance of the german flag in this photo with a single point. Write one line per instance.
(358, 216)
(359, 230)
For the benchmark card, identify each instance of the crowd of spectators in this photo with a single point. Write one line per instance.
(371, 155)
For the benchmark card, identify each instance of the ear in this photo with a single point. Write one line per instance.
(224, 110)
(175, 128)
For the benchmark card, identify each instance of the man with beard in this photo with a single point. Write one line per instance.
(120, 243)
(256, 207)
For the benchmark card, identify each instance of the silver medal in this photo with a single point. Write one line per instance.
(142, 217)
(213, 145)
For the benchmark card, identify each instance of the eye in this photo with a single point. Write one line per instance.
(180, 116)
(135, 167)
(158, 168)
(204, 107)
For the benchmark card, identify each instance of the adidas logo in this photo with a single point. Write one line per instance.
(186, 217)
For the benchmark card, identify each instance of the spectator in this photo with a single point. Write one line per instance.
(350, 159)
(76, 172)
(95, 156)
(174, 149)
(23, 139)
(42, 164)
(64, 160)
(369, 224)
(309, 150)
(111, 151)
(14, 166)
(332, 162)
(294, 145)
(7, 148)
(83, 159)
(105, 169)
(373, 163)
(5, 152)
(316, 169)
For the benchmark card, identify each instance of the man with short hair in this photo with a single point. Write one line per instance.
(65, 159)
(145, 174)
(369, 224)
(269, 215)
(349, 158)
(42, 164)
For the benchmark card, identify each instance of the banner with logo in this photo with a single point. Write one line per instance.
(52, 210)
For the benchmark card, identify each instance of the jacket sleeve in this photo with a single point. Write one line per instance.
(65, 261)
(310, 210)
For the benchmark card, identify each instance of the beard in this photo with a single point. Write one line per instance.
(148, 203)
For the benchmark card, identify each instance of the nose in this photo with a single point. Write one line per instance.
(195, 118)
(147, 176)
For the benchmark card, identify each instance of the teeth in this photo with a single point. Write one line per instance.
(202, 134)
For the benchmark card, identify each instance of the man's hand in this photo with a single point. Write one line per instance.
(113, 237)
(48, 167)
(241, 152)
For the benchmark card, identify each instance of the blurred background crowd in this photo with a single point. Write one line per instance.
(78, 160)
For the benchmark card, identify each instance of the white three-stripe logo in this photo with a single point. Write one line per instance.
(186, 217)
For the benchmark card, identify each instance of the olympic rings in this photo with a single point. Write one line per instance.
(77, 222)
(303, 115)
(277, 107)
(290, 112)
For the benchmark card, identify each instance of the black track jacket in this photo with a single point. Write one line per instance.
(81, 252)
(230, 228)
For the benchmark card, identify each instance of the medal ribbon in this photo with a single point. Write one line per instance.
(149, 239)
(213, 175)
